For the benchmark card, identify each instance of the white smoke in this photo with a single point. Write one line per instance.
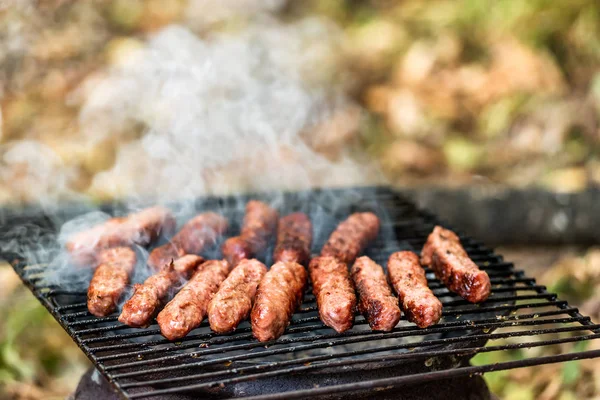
(224, 113)
(34, 171)
(259, 109)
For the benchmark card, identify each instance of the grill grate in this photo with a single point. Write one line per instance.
(311, 360)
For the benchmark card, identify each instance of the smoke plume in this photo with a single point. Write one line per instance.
(264, 108)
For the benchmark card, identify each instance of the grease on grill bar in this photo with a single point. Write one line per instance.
(311, 360)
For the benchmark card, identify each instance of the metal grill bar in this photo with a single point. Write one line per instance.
(389, 383)
(413, 356)
(350, 340)
(141, 363)
(485, 324)
(338, 363)
(310, 319)
(99, 349)
(311, 309)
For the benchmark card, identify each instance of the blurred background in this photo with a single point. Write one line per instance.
(469, 100)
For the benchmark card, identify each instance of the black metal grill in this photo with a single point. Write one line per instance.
(311, 360)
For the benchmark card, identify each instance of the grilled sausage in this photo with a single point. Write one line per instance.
(141, 228)
(188, 308)
(236, 249)
(201, 231)
(149, 296)
(294, 237)
(408, 279)
(279, 294)
(259, 223)
(233, 302)
(351, 237)
(435, 240)
(333, 291)
(110, 280)
(452, 265)
(375, 299)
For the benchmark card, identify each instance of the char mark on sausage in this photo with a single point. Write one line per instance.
(233, 302)
(110, 280)
(260, 222)
(351, 237)
(333, 291)
(375, 299)
(188, 308)
(279, 294)
(148, 297)
(452, 265)
(408, 278)
(201, 231)
(294, 238)
(141, 228)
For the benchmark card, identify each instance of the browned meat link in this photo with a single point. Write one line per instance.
(141, 228)
(375, 299)
(351, 237)
(201, 231)
(453, 266)
(233, 302)
(418, 302)
(110, 280)
(333, 291)
(188, 308)
(148, 297)
(236, 249)
(294, 237)
(434, 240)
(260, 222)
(279, 294)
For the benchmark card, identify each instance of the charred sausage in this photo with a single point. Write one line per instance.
(333, 291)
(408, 279)
(279, 294)
(351, 237)
(139, 310)
(201, 231)
(110, 280)
(445, 255)
(188, 308)
(375, 299)
(141, 228)
(294, 237)
(259, 224)
(233, 302)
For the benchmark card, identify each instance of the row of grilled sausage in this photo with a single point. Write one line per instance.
(228, 291)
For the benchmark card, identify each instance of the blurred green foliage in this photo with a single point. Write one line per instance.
(37, 358)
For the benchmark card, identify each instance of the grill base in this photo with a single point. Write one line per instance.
(93, 386)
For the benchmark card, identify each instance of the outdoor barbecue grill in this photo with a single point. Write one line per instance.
(310, 360)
